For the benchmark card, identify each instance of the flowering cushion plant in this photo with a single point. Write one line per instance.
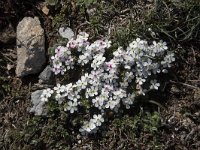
(108, 83)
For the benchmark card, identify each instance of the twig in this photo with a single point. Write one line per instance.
(194, 80)
(85, 23)
(7, 58)
(125, 10)
(194, 54)
(191, 134)
(185, 84)
(156, 103)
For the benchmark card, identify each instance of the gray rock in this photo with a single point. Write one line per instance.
(66, 33)
(46, 75)
(37, 108)
(30, 47)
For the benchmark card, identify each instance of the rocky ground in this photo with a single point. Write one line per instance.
(29, 29)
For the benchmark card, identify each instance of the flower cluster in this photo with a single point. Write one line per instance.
(111, 83)
(92, 124)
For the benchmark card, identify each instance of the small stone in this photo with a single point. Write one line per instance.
(66, 33)
(9, 67)
(37, 108)
(46, 75)
(45, 10)
(79, 141)
(30, 47)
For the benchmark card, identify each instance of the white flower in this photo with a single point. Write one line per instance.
(59, 88)
(164, 71)
(60, 98)
(99, 100)
(60, 51)
(111, 103)
(73, 96)
(110, 79)
(88, 126)
(98, 61)
(46, 94)
(98, 119)
(83, 35)
(43, 98)
(68, 89)
(137, 44)
(92, 91)
(72, 43)
(94, 77)
(141, 91)
(111, 66)
(119, 94)
(154, 84)
(159, 47)
(82, 83)
(124, 84)
(83, 59)
(168, 59)
(57, 63)
(68, 60)
(129, 100)
(140, 81)
(128, 76)
(118, 52)
(155, 68)
(91, 126)
(71, 106)
(107, 43)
